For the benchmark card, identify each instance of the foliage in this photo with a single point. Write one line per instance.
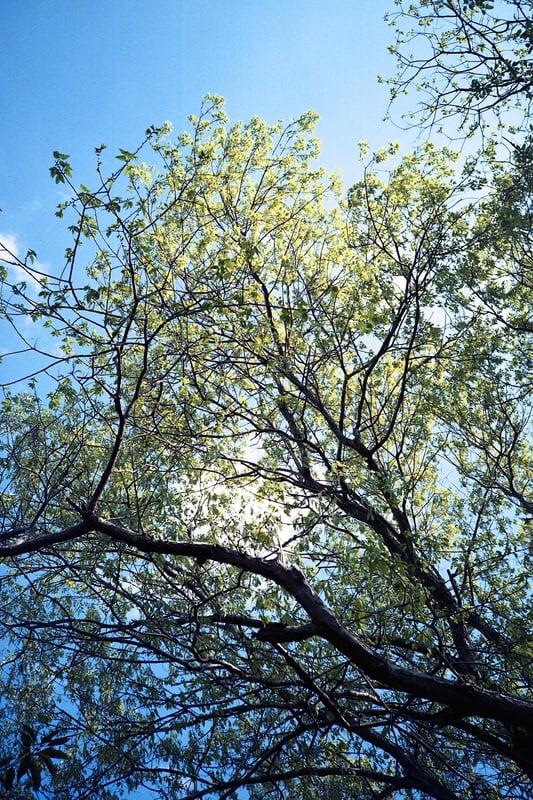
(468, 58)
(267, 528)
(30, 760)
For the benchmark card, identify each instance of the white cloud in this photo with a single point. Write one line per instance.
(10, 257)
(9, 247)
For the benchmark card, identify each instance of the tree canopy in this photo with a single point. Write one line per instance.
(266, 498)
(472, 59)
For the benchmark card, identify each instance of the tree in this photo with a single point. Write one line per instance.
(267, 527)
(471, 62)
(468, 57)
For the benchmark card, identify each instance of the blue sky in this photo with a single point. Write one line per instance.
(78, 73)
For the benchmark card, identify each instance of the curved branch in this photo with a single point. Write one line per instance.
(465, 698)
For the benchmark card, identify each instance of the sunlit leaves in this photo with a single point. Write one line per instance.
(61, 169)
(326, 387)
(469, 60)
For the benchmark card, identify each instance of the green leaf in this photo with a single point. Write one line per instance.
(24, 766)
(35, 771)
(49, 764)
(51, 752)
(28, 735)
(52, 737)
(125, 155)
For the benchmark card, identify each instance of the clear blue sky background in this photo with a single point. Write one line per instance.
(78, 73)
